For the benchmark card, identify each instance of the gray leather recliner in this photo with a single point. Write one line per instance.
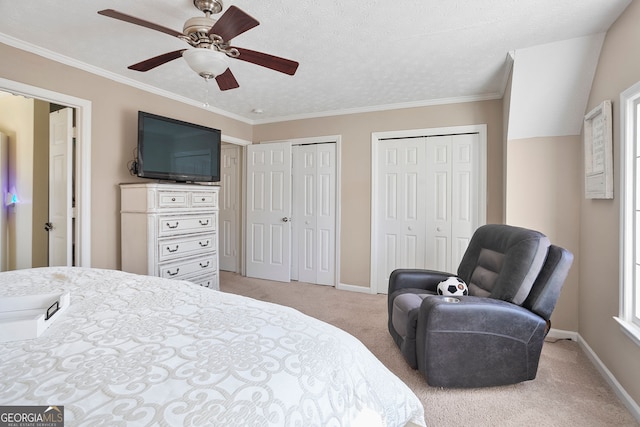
(493, 336)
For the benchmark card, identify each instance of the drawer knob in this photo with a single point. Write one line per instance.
(204, 265)
(205, 244)
(173, 226)
(172, 250)
(173, 199)
(203, 199)
(173, 274)
(203, 223)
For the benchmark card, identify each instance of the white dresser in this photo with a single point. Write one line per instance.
(170, 230)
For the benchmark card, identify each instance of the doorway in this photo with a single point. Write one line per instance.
(428, 197)
(81, 163)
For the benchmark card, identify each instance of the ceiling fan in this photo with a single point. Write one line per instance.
(209, 39)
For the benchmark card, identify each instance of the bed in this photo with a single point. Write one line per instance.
(140, 350)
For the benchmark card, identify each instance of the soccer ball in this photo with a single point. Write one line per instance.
(453, 286)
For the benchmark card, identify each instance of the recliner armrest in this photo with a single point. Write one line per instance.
(471, 342)
(416, 279)
(479, 314)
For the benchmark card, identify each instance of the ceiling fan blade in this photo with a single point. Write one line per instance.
(227, 80)
(276, 63)
(156, 61)
(233, 23)
(137, 21)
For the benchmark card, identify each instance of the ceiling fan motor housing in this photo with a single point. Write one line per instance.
(199, 24)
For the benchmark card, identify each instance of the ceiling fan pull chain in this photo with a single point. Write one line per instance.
(206, 92)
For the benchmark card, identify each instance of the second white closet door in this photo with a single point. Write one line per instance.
(314, 213)
(452, 192)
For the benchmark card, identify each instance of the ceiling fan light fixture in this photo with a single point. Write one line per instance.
(208, 63)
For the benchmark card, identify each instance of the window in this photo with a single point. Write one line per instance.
(629, 317)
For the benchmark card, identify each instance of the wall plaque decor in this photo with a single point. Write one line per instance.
(598, 153)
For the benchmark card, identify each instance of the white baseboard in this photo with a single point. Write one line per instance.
(627, 400)
(354, 288)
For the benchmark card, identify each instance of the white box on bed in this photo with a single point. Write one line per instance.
(28, 316)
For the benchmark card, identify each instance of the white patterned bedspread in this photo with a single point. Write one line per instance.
(139, 350)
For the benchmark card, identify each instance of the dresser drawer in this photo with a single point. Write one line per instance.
(189, 267)
(179, 224)
(170, 199)
(185, 247)
(200, 199)
(208, 281)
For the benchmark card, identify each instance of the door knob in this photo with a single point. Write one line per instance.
(285, 219)
(48, 226)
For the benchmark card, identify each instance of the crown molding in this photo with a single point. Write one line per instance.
(384, 107)
(235, 141)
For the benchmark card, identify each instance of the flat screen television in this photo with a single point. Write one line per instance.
(171, 149)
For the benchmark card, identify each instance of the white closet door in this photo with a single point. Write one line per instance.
(229, 208)
(427, 192)
(314, 213)
(452, 191)
(465, 194)
(402, 205)
(438, 193)
(268, 253)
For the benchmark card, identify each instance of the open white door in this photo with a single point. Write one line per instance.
(60, 187)
(268, 242)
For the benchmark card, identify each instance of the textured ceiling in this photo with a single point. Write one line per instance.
(354, 56)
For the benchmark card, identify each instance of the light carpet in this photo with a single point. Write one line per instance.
(568, 390)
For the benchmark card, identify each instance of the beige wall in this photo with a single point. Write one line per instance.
(113, 134)
(543, 193)
(356, 130)
(618, 69)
